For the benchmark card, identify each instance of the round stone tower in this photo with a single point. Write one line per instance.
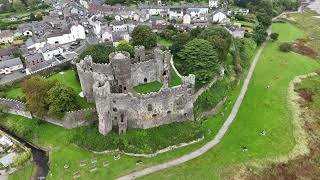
(121, 65)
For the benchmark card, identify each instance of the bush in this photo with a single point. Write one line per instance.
(21, 158)
(138, 140)
(274, 36)
(285, 47)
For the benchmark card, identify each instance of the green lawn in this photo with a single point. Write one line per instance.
(154, 86)
(175, 79)
(165, 43)
(262, 109)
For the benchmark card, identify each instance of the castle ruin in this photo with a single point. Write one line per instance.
(110, 86)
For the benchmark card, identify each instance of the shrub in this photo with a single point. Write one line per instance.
(285, 47)
(274, 36)
(21, 158)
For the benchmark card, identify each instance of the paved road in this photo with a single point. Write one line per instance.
(216, 139)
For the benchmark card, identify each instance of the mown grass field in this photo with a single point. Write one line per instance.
(262, 109)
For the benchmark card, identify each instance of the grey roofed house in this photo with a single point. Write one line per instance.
(235, 31)
(6, 33)
(10, 63)
(33, 58)
(7, 53)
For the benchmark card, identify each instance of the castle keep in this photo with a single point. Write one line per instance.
(110, 86)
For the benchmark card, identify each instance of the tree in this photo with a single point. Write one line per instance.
(274, 36)
(201, 59)
(36, 89)
(125, 46)
(219, 38)
(142, 35)
(285, 47)
(264, 19)
(99, 52)
(61, 98)
(179, 42)
(260, 34)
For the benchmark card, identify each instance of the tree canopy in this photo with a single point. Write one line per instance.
(48, 97)
(61, 98)
(142, 35)
(201, 59)
(219, 38)
(99, 52)
(125, 46)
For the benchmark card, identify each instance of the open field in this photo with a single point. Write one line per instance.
(262, 109)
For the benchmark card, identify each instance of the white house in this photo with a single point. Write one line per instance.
(76, 32)
(219, 17)
(197, 11)
(186, 19)
(10, 65)
(175, 13)
(213, 3)
(49, 51)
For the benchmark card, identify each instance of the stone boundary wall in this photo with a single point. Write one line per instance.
(15, 107)
(72, 119)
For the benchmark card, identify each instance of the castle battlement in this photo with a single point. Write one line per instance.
(110, 86)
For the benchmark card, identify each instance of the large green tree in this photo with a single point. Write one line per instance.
(179, 42)
(125, 46)
(201, 59)
(143, 35)
(99, 52)
(61, 98)
(36, 89)
(219, 38)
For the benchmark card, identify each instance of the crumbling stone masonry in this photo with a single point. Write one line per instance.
(110, 86)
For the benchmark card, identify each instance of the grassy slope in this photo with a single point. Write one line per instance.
(175, 79)
(22, 174)
(261, 109)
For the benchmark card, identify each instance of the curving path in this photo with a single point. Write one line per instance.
(216, 139)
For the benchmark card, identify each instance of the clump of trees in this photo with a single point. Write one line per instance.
(142, 35)
(48, 97)
(99, 52)
(285, 47)
(201, 59)
(220, 40)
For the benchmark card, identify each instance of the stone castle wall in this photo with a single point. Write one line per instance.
(15, 107)
(118, 106)
(72, 119)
